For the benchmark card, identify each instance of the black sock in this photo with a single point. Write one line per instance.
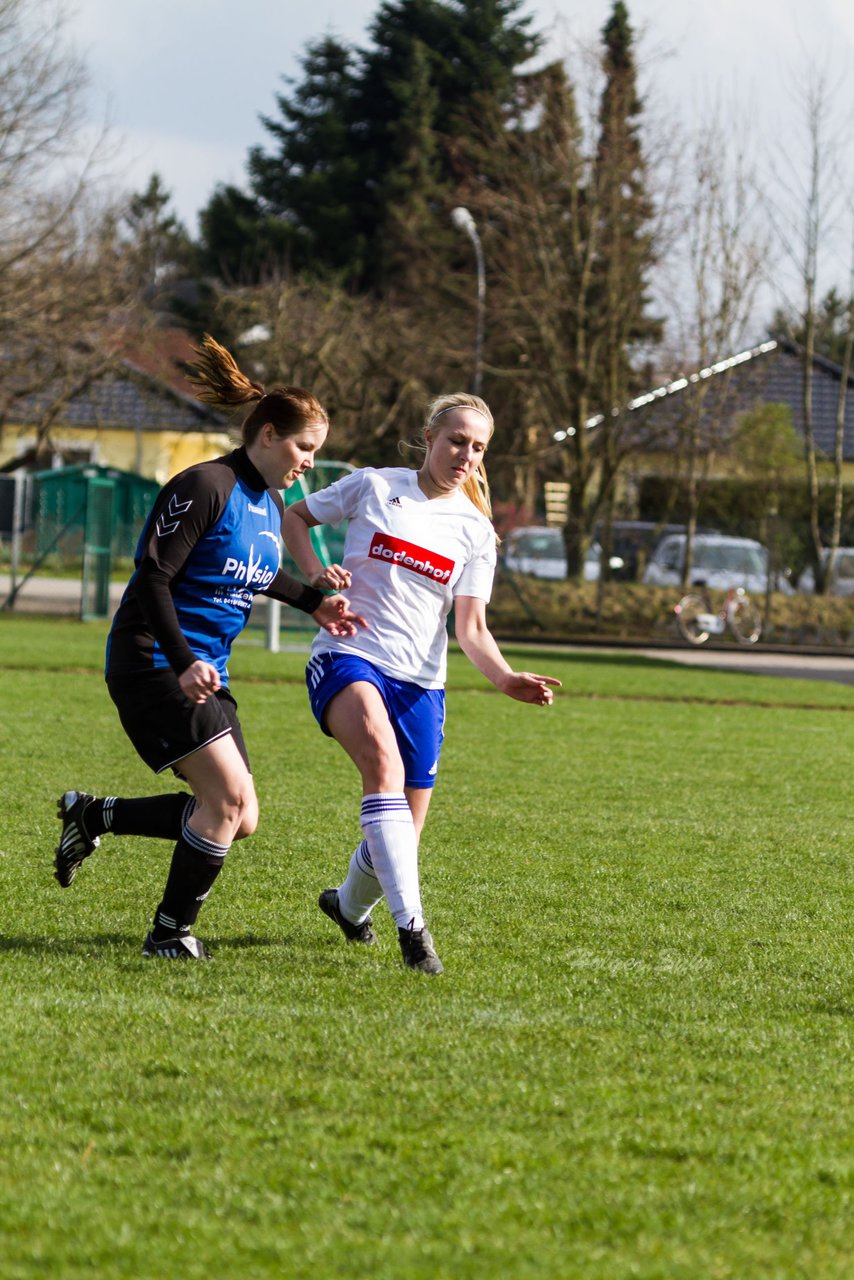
(196, 863)
(157, 816)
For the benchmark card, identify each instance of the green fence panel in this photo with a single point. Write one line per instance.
(328, 542)
(97, 547)
(61, 510)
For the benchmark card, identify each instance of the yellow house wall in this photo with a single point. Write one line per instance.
(155, 454)
(663, 464)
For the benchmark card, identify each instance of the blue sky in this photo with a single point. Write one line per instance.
(184, 81)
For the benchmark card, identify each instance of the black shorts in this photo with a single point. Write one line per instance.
(164, 725)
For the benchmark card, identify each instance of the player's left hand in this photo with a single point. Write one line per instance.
(525, 686)
(336, 617)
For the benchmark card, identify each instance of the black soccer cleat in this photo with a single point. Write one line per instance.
(183, 946)
(75, 843)
(328, 903)
(416, 946)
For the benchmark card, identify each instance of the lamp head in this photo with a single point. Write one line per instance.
(461, 218)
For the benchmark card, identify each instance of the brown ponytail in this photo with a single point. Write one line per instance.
(221, 383)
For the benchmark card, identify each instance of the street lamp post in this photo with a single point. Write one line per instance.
(461, 218)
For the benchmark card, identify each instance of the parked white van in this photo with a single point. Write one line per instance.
(718, 562)
(841, 577)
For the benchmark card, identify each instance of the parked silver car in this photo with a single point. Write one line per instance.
(718, 562)
(535, 549)
(841, 576)
(540, 551)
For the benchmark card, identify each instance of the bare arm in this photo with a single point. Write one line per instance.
(479, 646)
(334, 613)
(296, 531)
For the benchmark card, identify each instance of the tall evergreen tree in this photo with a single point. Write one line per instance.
(158, 244)
(567, 233)
(395, 112)
(540, 239)
(626, 252)
(834, 321)
(476, 49)
(363, 144)
(471, 53)
(162, 265)
(311, 180)
(625, 255)
(491, 43)
(240, 243)
(410, 189)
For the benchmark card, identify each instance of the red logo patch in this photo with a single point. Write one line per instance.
(411, 557)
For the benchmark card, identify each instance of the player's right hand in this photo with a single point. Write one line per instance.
(333, 578)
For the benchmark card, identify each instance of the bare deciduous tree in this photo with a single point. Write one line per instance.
(839, 433)
(60, 268)
(725, 252)
(810, 191)
(374, 365)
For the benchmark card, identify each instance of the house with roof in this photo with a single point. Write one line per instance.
(716, 398)
(125, 416)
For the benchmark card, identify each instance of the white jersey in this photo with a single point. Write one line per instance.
(408, 556)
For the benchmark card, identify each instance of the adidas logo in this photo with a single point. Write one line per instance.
(394, 502)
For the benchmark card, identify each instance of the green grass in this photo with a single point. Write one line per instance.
(638, 1060)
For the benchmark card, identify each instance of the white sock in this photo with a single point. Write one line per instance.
(361, 890)
(393, 848)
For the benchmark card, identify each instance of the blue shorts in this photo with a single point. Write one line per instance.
(417, 715)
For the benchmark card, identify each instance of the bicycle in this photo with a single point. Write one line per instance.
(697, 619)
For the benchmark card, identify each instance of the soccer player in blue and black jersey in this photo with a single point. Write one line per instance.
(210, 544)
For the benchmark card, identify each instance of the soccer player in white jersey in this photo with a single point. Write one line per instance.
(417, 543)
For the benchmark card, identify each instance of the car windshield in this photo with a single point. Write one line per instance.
(728, 557)
(546, 543)
(843, 564)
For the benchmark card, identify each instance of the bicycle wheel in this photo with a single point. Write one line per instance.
(690, 612)
(745, 620)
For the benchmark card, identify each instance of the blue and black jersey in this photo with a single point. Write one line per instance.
(210, 544)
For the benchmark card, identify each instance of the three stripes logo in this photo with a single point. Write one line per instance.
(316, 670)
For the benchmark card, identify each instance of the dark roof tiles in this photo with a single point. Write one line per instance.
(767, 374)
(126, 398)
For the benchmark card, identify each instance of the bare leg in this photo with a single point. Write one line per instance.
(419, 802)
(357, 718)
(226, 804)
(226, 809)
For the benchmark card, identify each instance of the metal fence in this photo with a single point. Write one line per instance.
(84, 516)
(88, 516)
(328, 543)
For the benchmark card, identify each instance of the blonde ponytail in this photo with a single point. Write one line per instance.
(476, 489)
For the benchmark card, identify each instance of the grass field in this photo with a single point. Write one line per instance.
(638, 1062)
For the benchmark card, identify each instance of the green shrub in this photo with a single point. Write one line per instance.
(558, 611)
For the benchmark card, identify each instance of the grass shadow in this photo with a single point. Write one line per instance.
(85, 944)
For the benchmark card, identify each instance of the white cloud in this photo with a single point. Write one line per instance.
(186, 81)
(190, 169)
